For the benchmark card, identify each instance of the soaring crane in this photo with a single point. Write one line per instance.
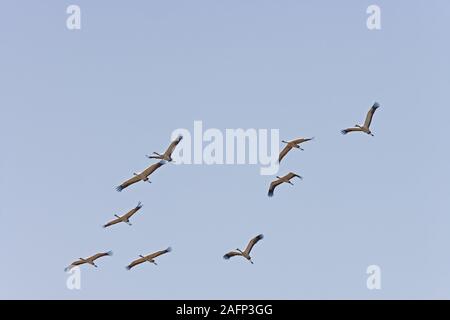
(149, 258)
(125, 218)
(167, 155)
(89, 260)
(366, 127)
(143, 176)
(246, 252)
(285, 179)
(292, 144)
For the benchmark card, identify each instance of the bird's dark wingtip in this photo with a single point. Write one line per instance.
(270, 193)
(376, 105)
(226, 257)
(169, 249)
(119, 188)
(344, 132)
(128, 267)
(260, 236)
(110, 253)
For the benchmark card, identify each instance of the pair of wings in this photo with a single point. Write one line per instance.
(247, 250)
(277, 182)
(92, 259)
(288, 147)
(368, 120)
(172, 146)
(147, 258)
(146, 173)
(125, 217)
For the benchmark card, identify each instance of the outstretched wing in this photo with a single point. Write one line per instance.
(99, 255)
(369, 116)
(112, 222)
(252, 243)
(74, 264)
(273, 185)
(130, 213)
(231, 254)
(301, 140)
(152, 168)
(291, 175)
(136, 262)
(128, 183)
(172, 146)
(284, 152)
(158, 253)
(345, 131)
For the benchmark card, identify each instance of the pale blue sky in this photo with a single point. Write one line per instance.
(80, 109)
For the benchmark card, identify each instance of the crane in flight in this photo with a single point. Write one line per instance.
(167, 155)
(90, 260)
(292, 144)
(285, 179)
(125, 218)
(143, 176)
(149, 258)
(246, 252)
(366, 126)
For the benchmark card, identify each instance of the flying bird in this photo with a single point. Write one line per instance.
(285, 179)
(143, 176)
(246, 252)
(167, 155)
(365, 127)
(292, 144)
(125, 218)
(89, 260)
(149, 258)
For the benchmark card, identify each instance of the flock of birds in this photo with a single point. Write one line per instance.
(167, 157)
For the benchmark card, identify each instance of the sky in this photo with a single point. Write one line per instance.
(80, 109)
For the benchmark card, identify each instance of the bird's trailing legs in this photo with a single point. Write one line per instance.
(156, 156)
